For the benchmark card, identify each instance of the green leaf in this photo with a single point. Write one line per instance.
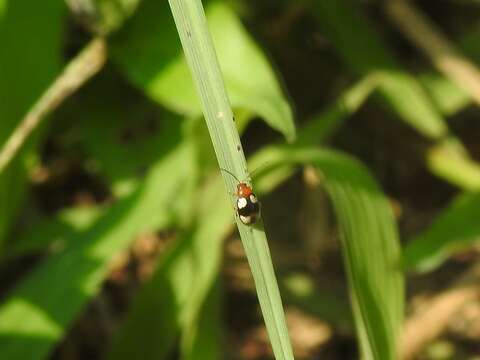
(370, 244)
(159, 68)
(170, 303)
(28, 63)
(454, 230)
(39, 309)
(449, 160)
(363, 51)
(446, 95)
(3, 8)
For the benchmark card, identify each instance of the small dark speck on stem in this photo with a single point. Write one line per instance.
(189, 34)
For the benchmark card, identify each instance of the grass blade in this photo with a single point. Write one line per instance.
(202, 61)
(450, 161)
(455, 229)
(370, 244)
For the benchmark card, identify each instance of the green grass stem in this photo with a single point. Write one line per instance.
(201, 58)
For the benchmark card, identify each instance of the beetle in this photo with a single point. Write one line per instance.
(248, 206)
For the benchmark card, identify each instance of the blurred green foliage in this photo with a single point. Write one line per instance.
(137, 130)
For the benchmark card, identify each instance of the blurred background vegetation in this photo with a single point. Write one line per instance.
(116, 237)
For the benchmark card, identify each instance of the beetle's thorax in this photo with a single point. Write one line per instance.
(243, 190)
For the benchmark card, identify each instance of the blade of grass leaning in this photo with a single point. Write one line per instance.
(200, 55)
(370, 244)
(42, 306)
(454, 230)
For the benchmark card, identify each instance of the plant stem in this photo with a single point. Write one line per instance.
(201, 58)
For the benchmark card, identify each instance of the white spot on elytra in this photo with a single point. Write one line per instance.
(253, 199)
(220, 115)
(241, 203)
(246, 219)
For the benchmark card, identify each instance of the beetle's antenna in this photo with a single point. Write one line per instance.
(229, 172)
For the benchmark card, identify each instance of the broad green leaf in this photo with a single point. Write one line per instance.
(370, 244)
(363, 51)
(454, 230)
(159, 68)
(27, 65)
(170, 303)
(39, 309)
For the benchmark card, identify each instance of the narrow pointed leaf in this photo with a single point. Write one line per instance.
(370, 244)
(454, 230)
